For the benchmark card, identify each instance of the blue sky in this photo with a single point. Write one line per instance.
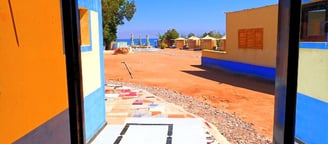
(155, 17)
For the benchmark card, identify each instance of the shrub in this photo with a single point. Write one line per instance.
(121, 51)
(163, 45)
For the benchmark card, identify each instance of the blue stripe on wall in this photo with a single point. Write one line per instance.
(311, 120)
(267, 73)
(313, 45)
(94, 111)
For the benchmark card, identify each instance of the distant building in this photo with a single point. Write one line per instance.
(179, 42)
(207, 42)
(223, 44)
(193, 42)
(251, 43)
(120, 45)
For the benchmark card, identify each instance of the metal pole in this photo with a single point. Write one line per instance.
(126, 66)
(73, 70)
(286, 71)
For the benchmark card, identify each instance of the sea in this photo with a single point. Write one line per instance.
(153, 41)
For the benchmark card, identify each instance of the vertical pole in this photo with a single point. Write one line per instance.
(286, 72)
(73, 70)
(126, 66)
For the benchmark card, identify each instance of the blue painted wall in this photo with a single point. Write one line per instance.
(311, 120)
(311, 113)
(94, 103)
(267, 73)
(94, 112)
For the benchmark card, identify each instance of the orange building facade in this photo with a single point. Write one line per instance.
(33, 75)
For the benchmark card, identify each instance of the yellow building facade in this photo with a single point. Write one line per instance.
(251, 43)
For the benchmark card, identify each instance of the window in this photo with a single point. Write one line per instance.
(250, 38)
(84, 27)
(314, 22)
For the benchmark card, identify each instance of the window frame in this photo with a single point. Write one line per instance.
(306, 8)
(250, 33)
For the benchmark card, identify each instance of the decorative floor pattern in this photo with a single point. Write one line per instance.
(125, 103)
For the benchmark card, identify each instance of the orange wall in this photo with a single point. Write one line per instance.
(263, 17)
(32, 75)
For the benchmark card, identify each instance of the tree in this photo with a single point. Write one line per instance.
(204, 34)
(183, 36)
(114, 12)
(168, 36)
(214, 34)
(190, 35)
(162, 43)
(171, 34)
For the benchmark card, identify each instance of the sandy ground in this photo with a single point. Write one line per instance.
(249, 98)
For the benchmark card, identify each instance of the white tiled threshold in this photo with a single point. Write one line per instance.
(154, 131)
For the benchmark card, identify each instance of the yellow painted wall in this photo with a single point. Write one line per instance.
(313, 73)
(215, 54)
(32, 75)
(90, 60)
(263, 17)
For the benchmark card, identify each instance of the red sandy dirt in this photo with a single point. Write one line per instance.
(249, 98)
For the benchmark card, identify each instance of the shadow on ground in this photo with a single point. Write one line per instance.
(238, 80)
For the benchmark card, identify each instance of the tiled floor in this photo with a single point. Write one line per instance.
(155, 131)
(128, 105)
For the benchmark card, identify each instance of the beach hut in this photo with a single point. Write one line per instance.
(179, 42)
(223, 43)
(193, 42)
(207, 42)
